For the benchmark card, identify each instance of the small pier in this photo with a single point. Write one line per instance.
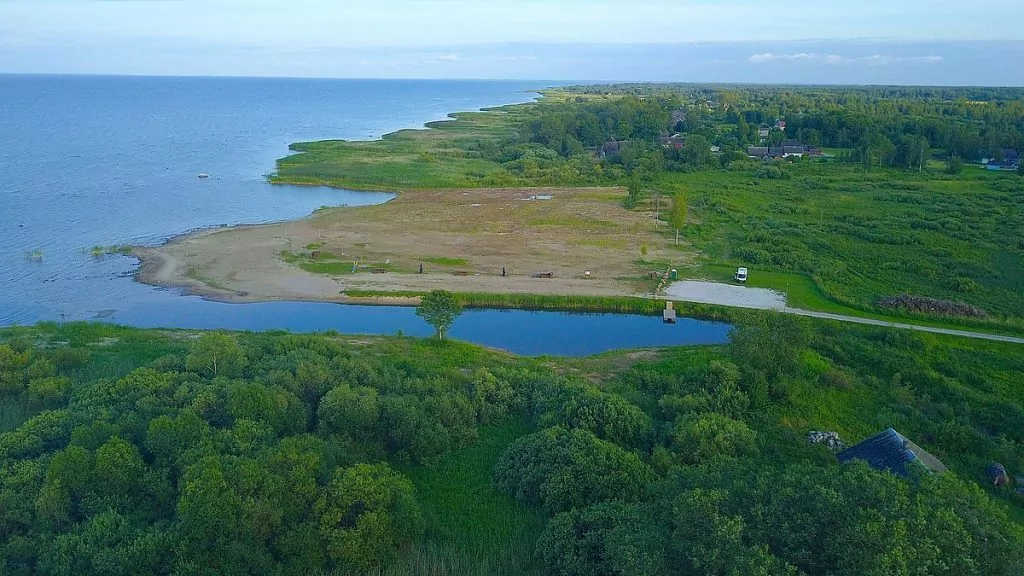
(669, 315)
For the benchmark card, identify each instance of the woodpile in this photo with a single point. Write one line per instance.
(931, 306)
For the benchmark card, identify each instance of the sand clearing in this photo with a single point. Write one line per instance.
(726, 295)
(463, 238)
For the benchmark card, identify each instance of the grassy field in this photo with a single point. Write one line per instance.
(841, 238)
(472, 528)
(438, 157)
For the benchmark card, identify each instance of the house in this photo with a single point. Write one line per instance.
(891, 451)
(612, 148)
(813, 152)
(757, 151)
(676, 141)
(1010, 161)
(798, 150)
(780, 125)
(763, 132)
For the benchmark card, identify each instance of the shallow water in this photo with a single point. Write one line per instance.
(97, 161)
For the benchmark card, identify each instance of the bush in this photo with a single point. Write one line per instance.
(559, 469)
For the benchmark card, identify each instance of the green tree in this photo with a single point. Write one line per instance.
(769, 344)
(609, 416)
(216, 354)
(954, 165)
(440, 308)
(560, 469)
(696, 152)
(348, 410)
(364, 515)
(680, 210)
(699, 438)
(611, 538)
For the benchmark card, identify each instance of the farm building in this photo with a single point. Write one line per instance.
(1010, 160)
(889, 450)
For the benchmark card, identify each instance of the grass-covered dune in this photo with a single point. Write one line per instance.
(172, 452)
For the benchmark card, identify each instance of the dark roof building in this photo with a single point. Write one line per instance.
(612, 147)
(889, 450)
(757, 151)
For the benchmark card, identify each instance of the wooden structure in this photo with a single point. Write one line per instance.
(669, 315)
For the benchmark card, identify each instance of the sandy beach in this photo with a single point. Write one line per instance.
(481, 230)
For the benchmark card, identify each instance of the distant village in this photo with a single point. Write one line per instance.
(1006, 159)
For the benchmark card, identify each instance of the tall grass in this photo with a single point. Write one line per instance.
(472, 528)
(596, 304)
(13, 413)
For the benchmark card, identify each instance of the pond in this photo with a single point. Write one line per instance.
(523, 332)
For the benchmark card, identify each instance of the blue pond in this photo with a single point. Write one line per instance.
(522, 332)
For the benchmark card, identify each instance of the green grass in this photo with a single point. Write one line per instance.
(442, 261)
(842, 238)
(471, 528)
(328, 264)
(100, 251)
(13, 413)
(802, 292)
(595, 304)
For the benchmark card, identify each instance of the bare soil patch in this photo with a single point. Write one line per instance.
(462, 238)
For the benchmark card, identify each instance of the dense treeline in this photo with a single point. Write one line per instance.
(968, 122)
(144, 452)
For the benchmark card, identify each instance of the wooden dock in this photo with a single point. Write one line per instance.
(669, 315)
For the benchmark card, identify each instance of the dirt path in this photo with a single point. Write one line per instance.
(764, 299)
(950, 331)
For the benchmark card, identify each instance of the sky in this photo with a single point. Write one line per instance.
(868, 41)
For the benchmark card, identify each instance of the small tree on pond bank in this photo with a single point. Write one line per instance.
(677, 218)
(440, 308)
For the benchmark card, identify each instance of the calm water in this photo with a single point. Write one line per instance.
(90, 161)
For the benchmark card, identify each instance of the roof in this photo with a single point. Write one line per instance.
(757, 151)
(889, 450)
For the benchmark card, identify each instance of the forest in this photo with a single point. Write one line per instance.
(128, 451)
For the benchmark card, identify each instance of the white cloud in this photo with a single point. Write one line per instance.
(873, 60)
(448, 58)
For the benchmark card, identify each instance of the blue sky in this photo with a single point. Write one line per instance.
(869, 41)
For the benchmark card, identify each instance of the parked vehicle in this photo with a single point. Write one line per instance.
(741, 275)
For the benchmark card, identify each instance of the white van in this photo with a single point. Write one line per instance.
(741, 275)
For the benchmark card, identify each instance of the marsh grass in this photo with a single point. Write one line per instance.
(114, 249)
(472, 528)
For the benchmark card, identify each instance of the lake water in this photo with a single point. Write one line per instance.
(99, 161)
